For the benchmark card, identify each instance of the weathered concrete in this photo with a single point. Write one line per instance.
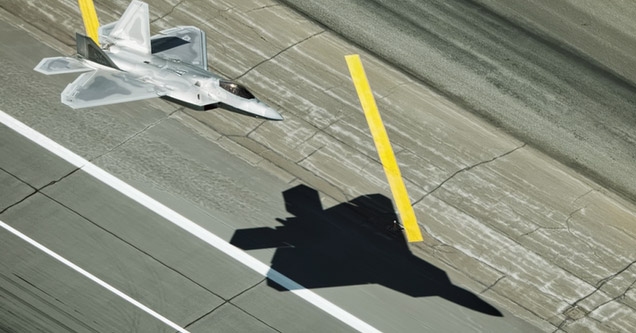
(603, 32)
(546, 95)
(529, 234)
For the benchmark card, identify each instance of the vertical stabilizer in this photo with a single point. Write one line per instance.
(132, 31)
(90, 19)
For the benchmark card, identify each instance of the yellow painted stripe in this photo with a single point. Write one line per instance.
(383, 146)
(90, 19)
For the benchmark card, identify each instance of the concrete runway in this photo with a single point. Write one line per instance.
(164, 267)
(507, 227)
(531, 84)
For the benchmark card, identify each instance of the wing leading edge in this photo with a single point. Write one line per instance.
(61, 65)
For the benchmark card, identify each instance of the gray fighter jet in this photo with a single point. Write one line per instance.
(131, 65)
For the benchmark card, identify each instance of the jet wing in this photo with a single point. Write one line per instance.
(186, 44)
(61, 65)
(103, 87)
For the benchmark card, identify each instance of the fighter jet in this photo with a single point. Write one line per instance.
(127, 64)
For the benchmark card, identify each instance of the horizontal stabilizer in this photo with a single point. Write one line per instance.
(61, 65)
(104, 87)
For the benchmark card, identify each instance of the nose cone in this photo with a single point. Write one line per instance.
(266, 112)
(271, 114)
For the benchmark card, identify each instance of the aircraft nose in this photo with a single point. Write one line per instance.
(268, 112)
(272, 114)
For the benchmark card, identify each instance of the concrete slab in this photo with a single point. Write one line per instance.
(286, 311)
(27, 162)
(102, 253)
(13, 190)
(229, 318)
(480, 193)
(149, 233)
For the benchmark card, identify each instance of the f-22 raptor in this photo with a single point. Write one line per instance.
(130, 65)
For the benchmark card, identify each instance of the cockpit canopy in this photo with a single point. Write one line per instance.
(236, 89)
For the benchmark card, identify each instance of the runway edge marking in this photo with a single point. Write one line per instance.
(383, 146)
(92, 277)
(185, 223)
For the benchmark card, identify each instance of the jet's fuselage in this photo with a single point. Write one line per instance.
(197, 87)
(132, 65)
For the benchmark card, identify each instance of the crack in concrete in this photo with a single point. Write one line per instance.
(131, 245)
(267, 149)
(615, 299)
(278, 53)
(229, 301)
(392, 90)
(478, 258)
(602, 282)
(530, 232)
(244, 311)
(16, 177)
(241, 22)
(262, 7)
(600, 285)
(566, 225)
(308, 139)
(136, 134)
(255, 128)
(493, 284)
(567, 221)
(168, 13)
(561, 325)
(309, 155)
(584, 194)
(467, 169)
(37, 190)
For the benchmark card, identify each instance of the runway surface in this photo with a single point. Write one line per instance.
(532, 84)
(167, 269)
(510, 231)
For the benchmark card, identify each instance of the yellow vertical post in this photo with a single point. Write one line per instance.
(382, 144)
(90, 18)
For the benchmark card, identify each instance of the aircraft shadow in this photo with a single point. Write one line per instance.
(350, 244)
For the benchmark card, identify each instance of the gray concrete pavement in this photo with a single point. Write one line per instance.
(189, 167)
(527, 234)
(545, 95)
(602, 32)
(130, 248)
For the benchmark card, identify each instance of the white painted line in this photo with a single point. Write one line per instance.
(186, 224)
(92, 277)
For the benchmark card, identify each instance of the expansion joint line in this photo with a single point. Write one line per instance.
(600, 285)
(229, 301)
(36, 190)
(134, 135)
(493, 284)
(168, 13)
(279, 53)
(466, 169)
